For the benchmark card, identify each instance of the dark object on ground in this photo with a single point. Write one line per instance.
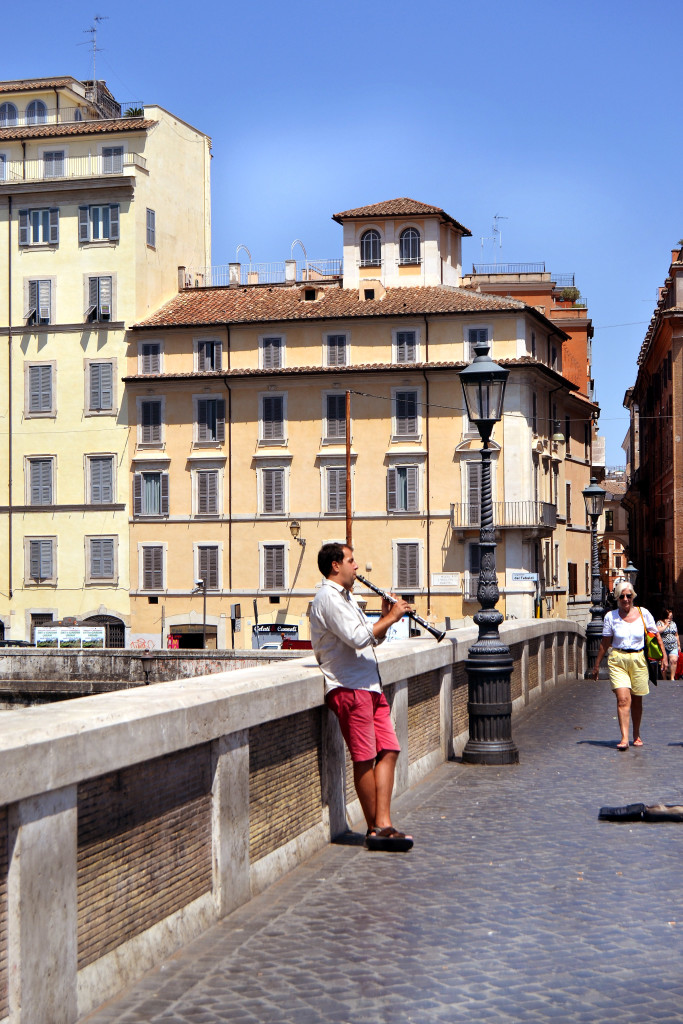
(631, 812)
(663, 812)
(388, 839)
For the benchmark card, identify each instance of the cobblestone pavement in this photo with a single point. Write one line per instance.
(516, 904)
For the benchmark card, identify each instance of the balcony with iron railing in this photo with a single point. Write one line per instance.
(28, 116)
(90, 165)
(282, 272)
(539, 516)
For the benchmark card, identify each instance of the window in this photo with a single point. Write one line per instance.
(567, 436)
(112, 159)
(471, 583)
(609, 520)
(617, 561)
(568, 500)
(207, 492)
(572, 587)
(405, 414)
(209, 355)
(370, 249)
(533, 344)
(272, 490)
(40, 481)
(402, 489)
(41, 560)
(273, 567)
(101, 558)
(8, 115)
(39, 303)
(407, 565)
(273, 418)
(100, 387)
(409, 246)
(152, 567)
(40, 390)
(587, 441)
(207, 565)
(101, 479)
(150, 493)
(534, 413)
(98, 223)
(475, 336)
(272, 353)
(53, 163)
(151, 228)
(335, 417)
(335, 489)
(99, 308)
(210, 420)
(149, 357)
(150, 421)
(335, 350)
(405, 347)
(36, 112)
(3, 167)
(39, 227)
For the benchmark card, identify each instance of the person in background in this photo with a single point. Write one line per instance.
(623, 635)
(668, 631)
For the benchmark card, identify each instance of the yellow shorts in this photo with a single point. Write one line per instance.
(628, 669)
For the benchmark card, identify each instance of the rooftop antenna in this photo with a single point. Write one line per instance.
(92, 31)
(496, 236)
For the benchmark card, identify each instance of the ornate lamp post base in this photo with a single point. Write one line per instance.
(489, 668)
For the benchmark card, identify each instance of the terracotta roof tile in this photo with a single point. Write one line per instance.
(41, 131)
(261, 304)
(403, 207)
(28, 84)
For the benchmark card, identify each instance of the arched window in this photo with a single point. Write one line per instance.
(370, 249)
(409, 246)
(36, 112)
(8, 114)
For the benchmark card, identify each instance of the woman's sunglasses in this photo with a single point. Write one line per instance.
(625, 597)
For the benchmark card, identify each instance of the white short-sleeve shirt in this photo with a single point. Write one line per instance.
(627, 635)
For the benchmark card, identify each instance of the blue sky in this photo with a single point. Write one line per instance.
(563, 118)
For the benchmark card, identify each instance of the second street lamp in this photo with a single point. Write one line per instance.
(489, 665)
(594, 497)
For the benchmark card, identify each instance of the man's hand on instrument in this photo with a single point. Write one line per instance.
(397, 609)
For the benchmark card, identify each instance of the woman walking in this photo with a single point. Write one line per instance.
(624, 632)
(668, 631)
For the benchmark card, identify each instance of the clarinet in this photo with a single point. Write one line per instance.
(437, 633)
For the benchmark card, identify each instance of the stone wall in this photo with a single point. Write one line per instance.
(132, 821)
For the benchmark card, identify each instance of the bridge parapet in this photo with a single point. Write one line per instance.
(132, 821)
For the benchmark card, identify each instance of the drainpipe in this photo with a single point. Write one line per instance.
(9, 394)
(427, 474)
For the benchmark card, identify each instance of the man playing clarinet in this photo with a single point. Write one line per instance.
(343, 641)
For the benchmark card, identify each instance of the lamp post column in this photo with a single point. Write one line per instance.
(594, 497)
(489, 664)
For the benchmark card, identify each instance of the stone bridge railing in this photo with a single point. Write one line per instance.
(132, 821)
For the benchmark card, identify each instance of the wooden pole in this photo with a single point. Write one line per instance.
(349, 537)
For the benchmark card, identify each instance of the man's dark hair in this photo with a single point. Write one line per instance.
(328, 554)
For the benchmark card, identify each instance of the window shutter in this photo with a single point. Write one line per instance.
(114, 222)
(102, 557)
(208, 566)
(336, 349)
(272, 353)
(336, 489)
(40, 557)
(105, 310)
(106, 390)
(54, 227)
(101, 481)
(95, 385)
(34, 558)
(23, 227)
(151, 358)
(474, 492)
(273, 567)
(201, 357)
(207, 492)
(33, 290)
(41, 481)
(406, 412)
(412, 481)
(83, 224)
(203, 419)
(164, 494)
(273, 425)
(217, 355)
(40, 389)
(273, 490)
(392, 490)
(152, 568)
(44, 300)
(406, 349)
(407, 565)
(137, 494)
(151, 422)
(336, 416)
(220, 419)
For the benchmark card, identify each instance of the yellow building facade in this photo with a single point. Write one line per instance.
(93, 231)
(237, 400)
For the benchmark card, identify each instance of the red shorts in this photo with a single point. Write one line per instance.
(365, 720)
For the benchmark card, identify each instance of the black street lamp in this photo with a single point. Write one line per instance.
(594, 497)
(489, 665)
(630, 572)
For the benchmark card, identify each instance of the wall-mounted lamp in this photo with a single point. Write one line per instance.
(295, 530)
(558, 436)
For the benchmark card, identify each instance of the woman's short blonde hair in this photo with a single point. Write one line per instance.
(619, 586)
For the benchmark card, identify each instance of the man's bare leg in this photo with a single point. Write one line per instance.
(384, 786)
(366, 789)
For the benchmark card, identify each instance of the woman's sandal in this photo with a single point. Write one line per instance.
(388, 839)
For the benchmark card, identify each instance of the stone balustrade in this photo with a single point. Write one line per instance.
(132, 821)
